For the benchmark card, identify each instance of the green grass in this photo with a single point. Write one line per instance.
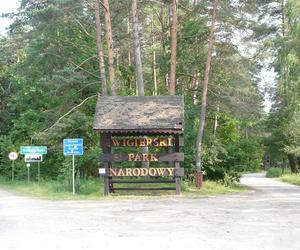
(93, 189)
(291, 178)
(285, 177)
(55, 190)
(210, 188)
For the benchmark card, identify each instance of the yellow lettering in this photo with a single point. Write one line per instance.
(116, 143)
(162, 142)
(136, 172)
(113, 172)
(144, 171)
(153, 157)
(130, 143)
(152, 171)
(161, 171)
(170, 141)
(149, 142)
(138, 157)
(128, 172)
(145, 157)
(155, 142)
(143, 143)
(121, 172)
(130, 157)
(171, 171)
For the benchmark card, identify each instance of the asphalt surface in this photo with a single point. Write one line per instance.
(266, 217)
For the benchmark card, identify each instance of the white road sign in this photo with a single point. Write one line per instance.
(33, 158)
(13, 156)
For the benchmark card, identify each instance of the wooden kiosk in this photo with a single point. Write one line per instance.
(146, 122)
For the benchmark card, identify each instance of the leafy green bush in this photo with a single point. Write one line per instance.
(231, 178)
(274, 172)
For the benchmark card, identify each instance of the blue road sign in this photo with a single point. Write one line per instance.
(73, 146)
(31, 150)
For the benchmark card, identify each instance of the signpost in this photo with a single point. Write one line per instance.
(73, 147)
(28, 172)
(13, 156)
(35, 158)
(33, 154)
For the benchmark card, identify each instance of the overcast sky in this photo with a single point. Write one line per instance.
(5, 7)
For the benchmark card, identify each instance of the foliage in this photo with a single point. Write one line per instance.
(283, 123)
(49, 66)
(291, 178)
(274, 172)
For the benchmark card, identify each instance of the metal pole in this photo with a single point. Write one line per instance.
(13, 171)
(73, 174)
(28, 174)
(39, 172)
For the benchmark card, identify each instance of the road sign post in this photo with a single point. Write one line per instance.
(39, 172)
(73, 174)
(73, 147)
(12, 170)
(28, 172)
(13, 156)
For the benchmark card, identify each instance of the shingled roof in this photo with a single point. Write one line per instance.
(139, 114)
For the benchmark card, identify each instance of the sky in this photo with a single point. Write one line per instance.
(5, 7)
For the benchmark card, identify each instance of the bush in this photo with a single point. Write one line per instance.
(274, 172)
(231, 178)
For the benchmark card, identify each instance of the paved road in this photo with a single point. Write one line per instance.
(268, 217)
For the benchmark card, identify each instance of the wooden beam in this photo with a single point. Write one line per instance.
(147, 189)
(178, 170)
(105, 145)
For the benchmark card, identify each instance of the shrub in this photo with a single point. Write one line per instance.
(274, 172)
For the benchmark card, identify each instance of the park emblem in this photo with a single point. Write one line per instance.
(140, 138)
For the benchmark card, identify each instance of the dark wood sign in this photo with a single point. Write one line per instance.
(142, 157)
(122, 172)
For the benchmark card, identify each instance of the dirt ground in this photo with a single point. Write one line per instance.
(266, 217)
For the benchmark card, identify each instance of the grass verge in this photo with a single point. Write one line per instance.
(55, 190)
(93, 189)
(290, 178)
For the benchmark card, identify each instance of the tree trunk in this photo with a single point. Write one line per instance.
(138, 61)
(282, 18)
(137, 50)
(154, 75)
(99, 48)
(163, 39)
(129, 49)
(293, 163)
(110, 47)
(205, 88)
(173, 47)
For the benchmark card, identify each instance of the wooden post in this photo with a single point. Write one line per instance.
(106, 149)
(177, 165)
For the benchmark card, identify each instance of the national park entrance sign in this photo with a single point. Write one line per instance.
(140, 129)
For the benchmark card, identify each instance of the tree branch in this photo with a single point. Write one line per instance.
(83, 62)
(83, 28)
(69, 112)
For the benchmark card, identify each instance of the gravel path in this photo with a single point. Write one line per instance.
(267, 217)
